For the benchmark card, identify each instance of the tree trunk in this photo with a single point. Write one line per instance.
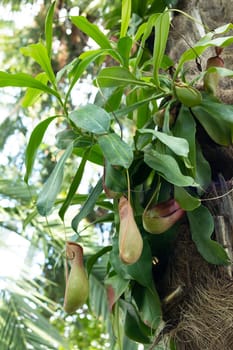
(199, 302)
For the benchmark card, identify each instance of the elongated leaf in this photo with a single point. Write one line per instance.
(219, 110)
(144, 112)
(185, 127)
(149, 305)
(33, 144)
(135, 328)
(115, 150)
(49, 28)
(92, 30)
(95, 156)
(125, 16)
(220, 130)
(185, 200)
(178, 145)
(85, 59)
(124, 46)
(65, 137)
(140, 31)
(117, 286)
(16, 190)
(82, 198)
(115, 179)
(94, 258)
(23, 326)
(88, 205)
(102, 52)
(66, 69)
(203, 170)
(145, 30)
(141, 271)
(91, 118)
(40, 54)
(168, 168)
(32, 95)
(132, 107)
(98, 295)
(223, 29)
(117, 76)
(52, 186)
(223, 72)
(202, 226)
(74, 185)
(162, 25)
(201, 46)
(24, 80)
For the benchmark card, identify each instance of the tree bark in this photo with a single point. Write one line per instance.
(202, 294)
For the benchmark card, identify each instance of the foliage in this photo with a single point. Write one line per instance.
(141, 130)
(24, 309)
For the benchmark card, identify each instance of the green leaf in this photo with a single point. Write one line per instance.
(124, 47)
(202, 226)
(49, 28)
(24, 80)
(115, 150)
(223, 29)
(141, 271)
(32, 95)
(185, 127)
(117, 76)
(178, 145)
(145, 30)
(203, 170)
(101, 52)
(110, 99)
(94, 258)
(95, 156)
(132, 107)
(144, 113)
(25, 319)
(118, 285)
(33, 144)
(162, 26)
(40, 54)
(159, 6)
(15, 189)
(217, 109)
(185, 200)
(125, 17)
(217, 128)
(201, 46)
(168, 168)
(148, 304)
(223, 72)
(85, 59)
(118, 266)
(74, 185)
(98, 296)
(135, 328)
(92, 30)
(91, 118)
(88, 205)
(65, 137)
(115, 179)
(52, 187)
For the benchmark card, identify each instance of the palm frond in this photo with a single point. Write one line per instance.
(24, 327)
(98, 296)
(24, 310)
(16, 190)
